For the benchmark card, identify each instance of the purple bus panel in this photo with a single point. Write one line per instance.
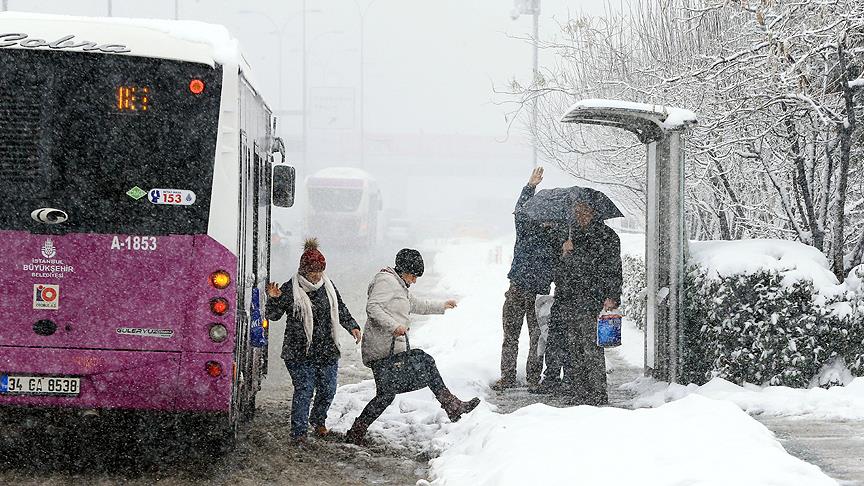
(126, 317)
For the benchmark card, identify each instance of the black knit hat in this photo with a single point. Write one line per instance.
(409, 261)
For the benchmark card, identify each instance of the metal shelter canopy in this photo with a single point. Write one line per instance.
(661, 129)
(647, 122)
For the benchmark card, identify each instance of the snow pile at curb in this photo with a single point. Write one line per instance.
(691, 441)
(835, 403)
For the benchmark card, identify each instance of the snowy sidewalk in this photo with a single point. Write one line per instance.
(619, 372)
(692, 440)
(834, 445)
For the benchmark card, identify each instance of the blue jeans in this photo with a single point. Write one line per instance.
(308, 379)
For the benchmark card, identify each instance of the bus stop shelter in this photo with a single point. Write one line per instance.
(661, 129)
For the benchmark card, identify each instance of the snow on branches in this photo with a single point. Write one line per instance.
(776, 85)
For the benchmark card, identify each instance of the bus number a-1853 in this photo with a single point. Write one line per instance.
(135, 243)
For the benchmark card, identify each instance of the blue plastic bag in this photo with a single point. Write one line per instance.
(609, 329)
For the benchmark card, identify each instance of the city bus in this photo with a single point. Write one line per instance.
(138, 173)
(343, 207)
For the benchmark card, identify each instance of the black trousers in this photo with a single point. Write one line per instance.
(572, 347)
(377, 405)
(519, 307)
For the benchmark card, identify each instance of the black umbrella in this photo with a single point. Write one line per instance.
(557, 204)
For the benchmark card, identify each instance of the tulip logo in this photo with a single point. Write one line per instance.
(48, 249)
(46, 296)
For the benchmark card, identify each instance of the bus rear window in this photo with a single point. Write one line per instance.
(339, 200)
(94, 134)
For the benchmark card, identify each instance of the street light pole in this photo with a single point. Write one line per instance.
(110, 8)
(176, 9)
(304, 116)
(363, 12)
(532, 7)
(535, 7)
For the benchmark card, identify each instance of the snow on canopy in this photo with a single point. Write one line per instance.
(670, 117)
(205, 43)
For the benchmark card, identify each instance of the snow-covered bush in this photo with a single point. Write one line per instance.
(633, 288)
(755, 328)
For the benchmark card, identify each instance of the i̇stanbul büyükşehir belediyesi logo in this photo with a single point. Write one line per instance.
(48, 249)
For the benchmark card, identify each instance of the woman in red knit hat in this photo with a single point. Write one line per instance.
(314, 310)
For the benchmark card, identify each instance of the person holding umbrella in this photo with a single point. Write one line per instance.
(530, 274)
(588, 279)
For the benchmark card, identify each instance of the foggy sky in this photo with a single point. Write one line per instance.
(436, 138)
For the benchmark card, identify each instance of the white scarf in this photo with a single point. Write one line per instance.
(303, 305)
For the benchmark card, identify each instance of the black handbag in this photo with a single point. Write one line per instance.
(402, 372)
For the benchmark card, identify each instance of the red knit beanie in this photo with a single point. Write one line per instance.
(312, 260)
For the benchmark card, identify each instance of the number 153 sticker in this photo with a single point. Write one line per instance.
(174, 197)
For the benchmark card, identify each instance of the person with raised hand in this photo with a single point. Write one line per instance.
(314, 312)
(386, 346)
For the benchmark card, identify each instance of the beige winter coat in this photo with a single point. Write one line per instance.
(388, 307)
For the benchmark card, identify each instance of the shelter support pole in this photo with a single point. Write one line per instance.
(664, 258)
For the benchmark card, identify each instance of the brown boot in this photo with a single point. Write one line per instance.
(454, 407)
(357, 433)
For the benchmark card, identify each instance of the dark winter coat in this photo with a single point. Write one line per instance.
(591, 273)
(535, 252)
(323, 348)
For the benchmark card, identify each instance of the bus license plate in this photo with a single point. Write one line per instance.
(39, 385)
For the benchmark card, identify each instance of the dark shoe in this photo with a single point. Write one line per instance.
(299, 441)
(454, 407)
(503, 384)
(470, 405)
(569, 391)
(596, 401)
(357, 434)
(545, 387)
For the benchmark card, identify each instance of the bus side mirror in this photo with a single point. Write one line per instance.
(284, 177)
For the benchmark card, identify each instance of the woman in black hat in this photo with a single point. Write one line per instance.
(388, 309)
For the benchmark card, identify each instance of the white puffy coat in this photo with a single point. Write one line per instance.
(389, 306)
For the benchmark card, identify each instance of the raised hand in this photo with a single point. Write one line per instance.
(273, 290)
(536, 177)
(450, 304)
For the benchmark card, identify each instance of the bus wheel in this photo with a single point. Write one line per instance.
(220, 435)
(247, 413)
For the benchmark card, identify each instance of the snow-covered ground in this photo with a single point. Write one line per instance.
(693, 440)
(835, 403)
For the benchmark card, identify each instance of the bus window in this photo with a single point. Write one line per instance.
(92, 135)
(342, 200)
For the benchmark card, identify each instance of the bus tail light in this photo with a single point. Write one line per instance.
(220, 279)
(218, 333)
(219, 306)
(196, 86)
(214, 369)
